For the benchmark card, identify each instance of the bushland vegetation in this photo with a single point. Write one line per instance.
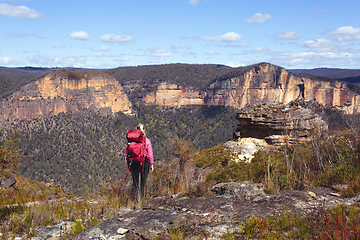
(203, 126)
(328, 159)
(9, 158)
(13, 78)
(198, 76)
(82, 152)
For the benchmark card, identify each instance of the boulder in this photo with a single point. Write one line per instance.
(10, 182)
(278, 124)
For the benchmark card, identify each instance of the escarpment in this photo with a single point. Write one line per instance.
(72, 91)
(264, 83)
(65, 91)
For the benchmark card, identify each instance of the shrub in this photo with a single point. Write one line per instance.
(9, 159)
(78, 228)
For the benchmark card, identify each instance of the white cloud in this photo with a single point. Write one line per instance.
(5, 60)
(18, 11)
(322, 55)
(257, 50)
(174, 47)
(147, 49)
(18, 35)
(156, 52)
(319, 10)
(161, 53)
(153, 60)
(82, 35)
(101, 55)
(103, 48)
(352, 50)
(279, 53)
(116, 38)
(235, 65)
(212, 53)
(54, 61)
(227, 37)
(194, 2)
(259, 18)
(237, 45)
(322, 43)
(345, 33)
(310, 62)
(288, 35)
(9, 61)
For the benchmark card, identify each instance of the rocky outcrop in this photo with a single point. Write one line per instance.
(264, 83)
(268, 126)
(278, 123)
(65, 91)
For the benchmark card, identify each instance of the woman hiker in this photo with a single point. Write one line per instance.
(139, 172)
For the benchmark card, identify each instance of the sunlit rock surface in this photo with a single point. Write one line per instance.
(245, 148)
(65, 91)
(264, 83)
(278, 124)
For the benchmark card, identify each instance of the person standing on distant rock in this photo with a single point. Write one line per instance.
(137, 172)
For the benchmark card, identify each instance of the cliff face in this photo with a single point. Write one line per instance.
(65, 91)
(264, 83)
(71, 91)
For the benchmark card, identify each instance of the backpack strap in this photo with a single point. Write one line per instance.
(127, 171)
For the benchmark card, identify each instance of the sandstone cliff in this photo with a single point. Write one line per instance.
(71, 91)
(65, 91)
(263, 83)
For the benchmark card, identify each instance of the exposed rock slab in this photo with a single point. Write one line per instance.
(54, 232)
(245, 148)
(214, 215)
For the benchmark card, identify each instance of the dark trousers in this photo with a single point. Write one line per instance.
(138, 173)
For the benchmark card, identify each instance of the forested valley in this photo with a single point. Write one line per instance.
(83, 151)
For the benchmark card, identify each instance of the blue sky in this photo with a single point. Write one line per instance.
(114, 33)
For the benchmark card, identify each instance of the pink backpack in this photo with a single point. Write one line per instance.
(136, 148)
